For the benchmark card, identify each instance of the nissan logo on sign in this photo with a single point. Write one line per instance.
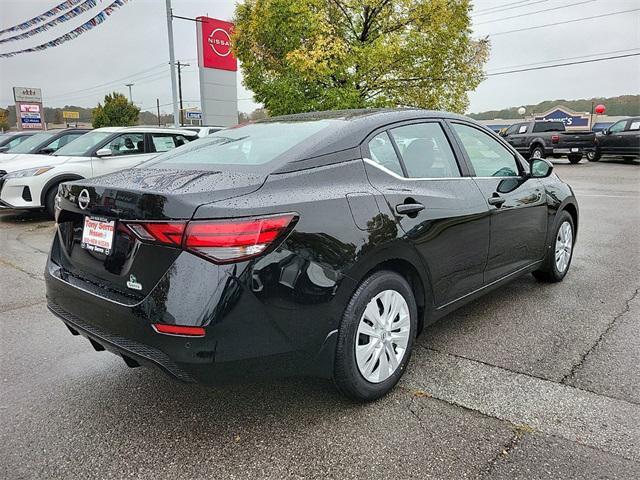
(220, 42)
(214, 51)
(84, 199)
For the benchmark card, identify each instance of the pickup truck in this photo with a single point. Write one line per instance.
(620, 139)
(540, 139)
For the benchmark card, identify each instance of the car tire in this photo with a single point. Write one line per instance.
(50, 201)
(356, 377)
(593, 156)
(552, 270)
(573, 159)
(537, 152)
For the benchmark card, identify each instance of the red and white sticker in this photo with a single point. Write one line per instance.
(97, 235)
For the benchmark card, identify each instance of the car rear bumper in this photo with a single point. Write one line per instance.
(571, 150)
(246, 337)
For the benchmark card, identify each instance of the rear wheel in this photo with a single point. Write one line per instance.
(50, 201)
(556, 264)
(574, 158)
(593, 156)
(537, 152)
(376, 336)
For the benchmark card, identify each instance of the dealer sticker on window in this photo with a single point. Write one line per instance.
(97, 235)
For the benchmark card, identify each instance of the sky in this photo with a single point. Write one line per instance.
(131, 47)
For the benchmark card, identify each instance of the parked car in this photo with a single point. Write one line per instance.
(205, 130)
(621, 139)
(31, 181)
(43, 143)
(12, 139)
(314, 244)
(540, 139)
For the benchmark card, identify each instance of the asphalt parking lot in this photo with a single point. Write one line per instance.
(532, 381)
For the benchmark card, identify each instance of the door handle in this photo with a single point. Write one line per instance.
(409, 208)
(496, 200)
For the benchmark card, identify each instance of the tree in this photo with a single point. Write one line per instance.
(116, 112)
(4, 120)
(304, 55)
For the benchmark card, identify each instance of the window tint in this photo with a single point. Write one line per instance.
(127, 144)
(548, 127)
(488, 156)
(425, 151)
(383, 153)
(618, 127)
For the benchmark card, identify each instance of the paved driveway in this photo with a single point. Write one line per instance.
(532, 381)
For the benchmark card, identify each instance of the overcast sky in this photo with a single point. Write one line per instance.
(131, 47)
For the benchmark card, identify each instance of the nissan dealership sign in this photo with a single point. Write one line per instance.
(29, 110)
(217, 71)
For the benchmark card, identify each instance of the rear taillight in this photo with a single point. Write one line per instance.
(221, 241)
(233, 240)
(555, 138)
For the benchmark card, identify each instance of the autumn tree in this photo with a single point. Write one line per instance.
(304, 55)
(117, 111)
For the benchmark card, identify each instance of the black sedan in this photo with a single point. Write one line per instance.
(316, 244)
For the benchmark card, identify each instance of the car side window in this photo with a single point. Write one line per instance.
(127, 144)
(162, 142)
(383, 153)
(635, 125)
(618, 127)
(425, 151)
(523, 128)
(62, 141)
(511, 130)
(488, 157)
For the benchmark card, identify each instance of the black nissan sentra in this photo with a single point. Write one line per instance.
(315, 244)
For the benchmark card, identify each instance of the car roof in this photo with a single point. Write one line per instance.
(143, 129)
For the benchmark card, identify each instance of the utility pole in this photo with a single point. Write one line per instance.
(130, 85)
(180, 65)
(172, 61)
(158, 107)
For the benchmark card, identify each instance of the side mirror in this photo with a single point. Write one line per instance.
(540, 168)
(104, 152)
(47, 151)
(605, 131)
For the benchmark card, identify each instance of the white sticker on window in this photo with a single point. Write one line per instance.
(635, 126)
(522, 129)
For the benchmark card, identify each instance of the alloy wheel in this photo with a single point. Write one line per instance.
(382, 336)
(564, 244)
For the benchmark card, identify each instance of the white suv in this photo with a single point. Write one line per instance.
(31, 181)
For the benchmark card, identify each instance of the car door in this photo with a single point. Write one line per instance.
(438, 209)
(611, 143)
(518, 208)
(631, 138)
(519, 138)
(125, 150)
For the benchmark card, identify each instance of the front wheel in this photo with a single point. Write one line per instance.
(558, 260)
(537, 152)
(593, 156)
(375, 337)
(50, 201)
(574, 158)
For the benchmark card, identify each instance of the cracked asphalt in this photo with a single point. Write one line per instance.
(531, 381)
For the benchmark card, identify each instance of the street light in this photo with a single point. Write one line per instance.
(130, 85)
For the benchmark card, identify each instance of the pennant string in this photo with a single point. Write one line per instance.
(88, 25)
(42, 17)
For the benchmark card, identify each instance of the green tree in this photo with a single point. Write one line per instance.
(116, 112)
(304, 55)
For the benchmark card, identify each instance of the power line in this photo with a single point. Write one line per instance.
(509, 6)
(533, 13)
(563, 22)
(563, 64)
(565, 59)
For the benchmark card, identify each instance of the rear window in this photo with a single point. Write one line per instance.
(549, 127)
(248, 145)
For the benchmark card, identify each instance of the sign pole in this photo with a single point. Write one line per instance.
(158, 107)
(172, 62)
